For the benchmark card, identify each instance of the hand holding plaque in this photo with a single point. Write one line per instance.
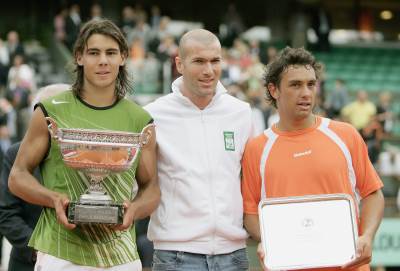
(313, 231)
(97, 153)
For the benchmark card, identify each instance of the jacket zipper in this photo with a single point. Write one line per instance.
(211, 182)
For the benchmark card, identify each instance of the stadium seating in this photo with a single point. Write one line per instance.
(371, 69)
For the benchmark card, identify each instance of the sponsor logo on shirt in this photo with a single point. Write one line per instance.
(304, 153)
(229, 139)
(54, 101)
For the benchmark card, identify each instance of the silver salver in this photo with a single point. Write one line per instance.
(308, 232)
(97, 154)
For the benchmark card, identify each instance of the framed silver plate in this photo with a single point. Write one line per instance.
(308, 232)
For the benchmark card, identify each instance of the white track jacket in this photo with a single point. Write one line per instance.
(200, 151)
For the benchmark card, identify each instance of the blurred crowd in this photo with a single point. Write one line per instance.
(152, 39)
(153, 48)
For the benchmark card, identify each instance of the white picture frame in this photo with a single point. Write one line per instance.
(308, 232)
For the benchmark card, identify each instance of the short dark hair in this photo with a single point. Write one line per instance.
(287, 57)
(107, 28)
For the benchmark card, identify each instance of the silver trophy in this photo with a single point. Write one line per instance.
(97, 153)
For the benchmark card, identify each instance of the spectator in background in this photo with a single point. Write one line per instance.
(231, 70)
(17, 217)
(8, 129)
(241, 52)
(137, 50)
(269, 54)
(21, 85)
(72, 25)
(96, 12)
(5, 107)
(319, 108)
(141, 14)
(145, 71)
(4, 64)
(254, 48)
(167, 50)
(322, 24)
(372, 134)
(59, 25)
(384, 112)
(233, 25)
(21, 75)
(236, 91)
(377, 126)
(360, 112)
(159, 33)
(14, 45)
(155, 17)
(272, 53)
(141, 31)
(254, 98)
(298, 26)
(128, 21)
(337, 99)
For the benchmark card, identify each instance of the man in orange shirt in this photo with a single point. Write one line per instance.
(304, 154)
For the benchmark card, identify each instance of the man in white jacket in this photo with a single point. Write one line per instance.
(201, 134)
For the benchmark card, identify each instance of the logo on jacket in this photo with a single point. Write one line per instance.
(229, 139)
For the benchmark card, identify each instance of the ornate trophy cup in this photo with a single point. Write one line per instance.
(97, 153)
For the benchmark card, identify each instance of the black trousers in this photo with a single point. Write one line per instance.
(17, 265)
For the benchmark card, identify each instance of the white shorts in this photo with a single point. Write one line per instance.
(46, 262)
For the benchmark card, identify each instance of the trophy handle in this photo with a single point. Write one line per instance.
(52, 127)
(146, 134)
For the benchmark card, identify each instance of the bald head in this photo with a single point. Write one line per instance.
(201, 36)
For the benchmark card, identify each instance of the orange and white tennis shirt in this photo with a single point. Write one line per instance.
(329, 157)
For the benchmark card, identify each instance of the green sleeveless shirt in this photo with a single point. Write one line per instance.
(90, 245)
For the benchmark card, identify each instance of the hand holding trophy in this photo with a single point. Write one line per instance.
(97, 153)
